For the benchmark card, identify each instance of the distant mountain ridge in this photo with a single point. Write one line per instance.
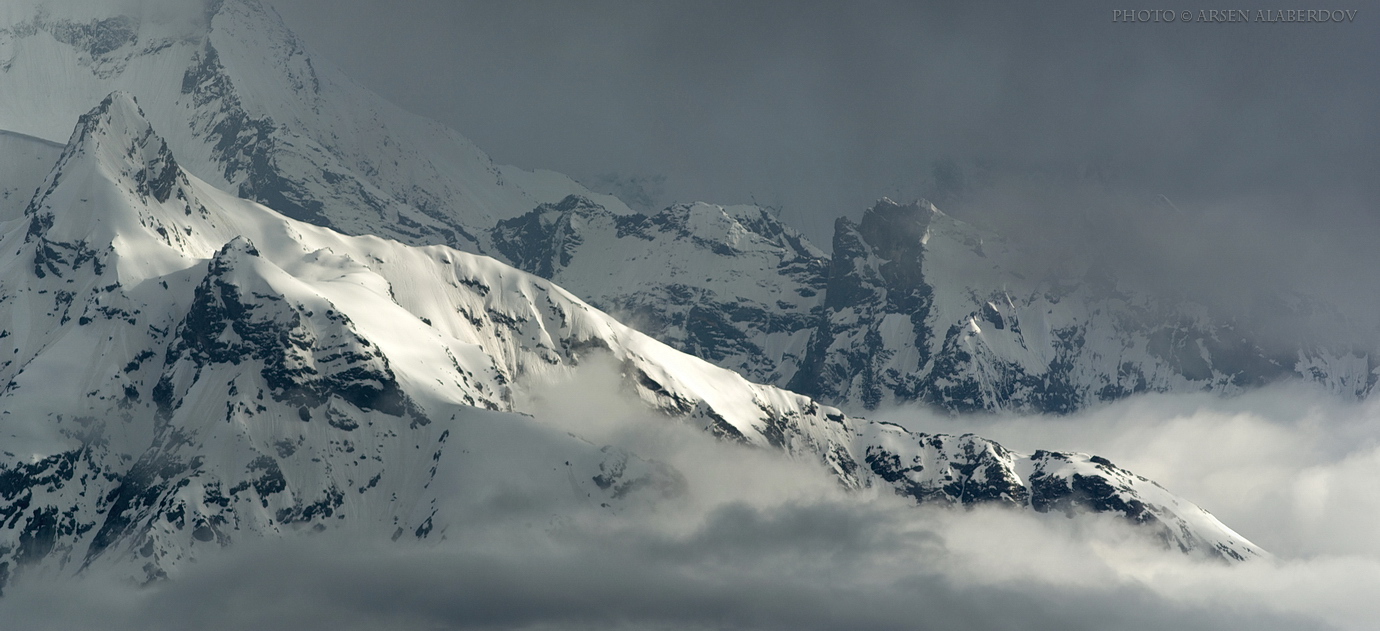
(912, 306)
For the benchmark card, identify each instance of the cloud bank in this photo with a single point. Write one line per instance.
(1291, 468)
(759, 542)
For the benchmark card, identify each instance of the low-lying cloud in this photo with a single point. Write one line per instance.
(759, 542)
(1291, 468)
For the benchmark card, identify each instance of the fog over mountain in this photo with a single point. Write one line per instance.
(1220, 160)
(790, 552)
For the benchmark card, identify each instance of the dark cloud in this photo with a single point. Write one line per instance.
(745, 568)
(1212, 160)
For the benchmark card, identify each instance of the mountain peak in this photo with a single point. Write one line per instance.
(115, 141)
(890, 226)
(238, 246)
(247, 108)
(117, 107)
(117, 185)
(118, 137)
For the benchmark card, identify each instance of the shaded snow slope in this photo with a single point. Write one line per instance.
(24, 160)
(729, 284)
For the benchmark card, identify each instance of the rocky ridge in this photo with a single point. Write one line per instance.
(912, 306)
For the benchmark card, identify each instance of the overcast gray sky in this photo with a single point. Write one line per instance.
(1206, 155)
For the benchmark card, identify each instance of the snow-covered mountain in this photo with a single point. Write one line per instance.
(913, 305)
(185, 369)
(246, 107)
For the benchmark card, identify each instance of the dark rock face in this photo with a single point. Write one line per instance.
(96, 38)
(40, 524)
(544, 240)
(964, 470)
(847, 357)
(245, 146)
(894, 234)
(139, 494)
(307, 357)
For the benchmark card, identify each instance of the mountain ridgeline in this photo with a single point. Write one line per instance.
(912, 306)
(185, 369)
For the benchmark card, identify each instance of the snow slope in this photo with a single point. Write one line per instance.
(183, 369)
(24, 160)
